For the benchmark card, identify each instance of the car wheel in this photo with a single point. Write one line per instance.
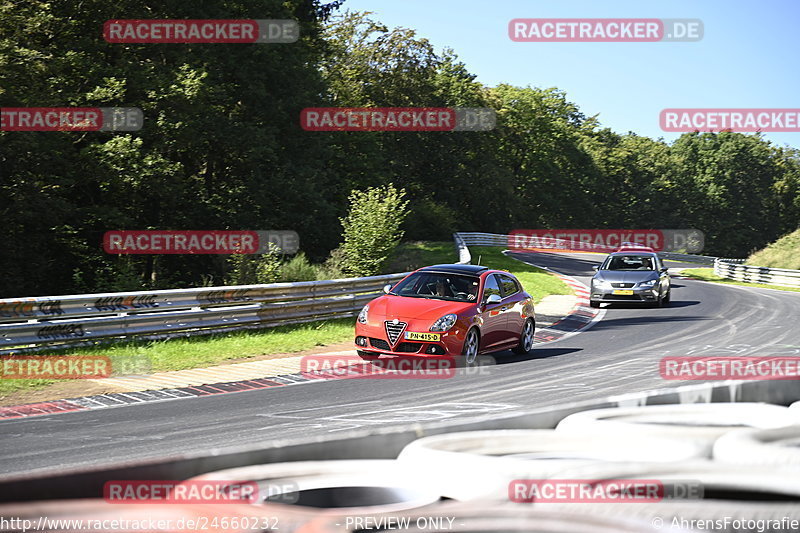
(594, 304)
(369, 356)
(525, 338)
(659, 301)
(471, 346)
(668, 296)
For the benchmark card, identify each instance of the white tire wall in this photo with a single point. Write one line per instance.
(454, 462)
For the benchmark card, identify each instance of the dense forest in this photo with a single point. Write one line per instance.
(222, 148)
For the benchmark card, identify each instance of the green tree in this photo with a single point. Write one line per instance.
(372, 228)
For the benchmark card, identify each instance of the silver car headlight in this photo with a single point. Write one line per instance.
(649, 284)
(444, 323)
(362, 316)
(601, 284)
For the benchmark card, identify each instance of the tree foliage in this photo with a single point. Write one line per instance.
(372, 229)
(222, 148)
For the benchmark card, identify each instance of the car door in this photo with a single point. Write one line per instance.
(493, 329)
(514, 301)
(663, 277)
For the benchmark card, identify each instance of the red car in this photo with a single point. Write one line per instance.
(633, 247)
(448, 310)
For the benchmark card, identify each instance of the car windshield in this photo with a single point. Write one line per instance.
(438, 286)
(629, 262)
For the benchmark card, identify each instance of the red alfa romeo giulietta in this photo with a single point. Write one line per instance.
(448, 310)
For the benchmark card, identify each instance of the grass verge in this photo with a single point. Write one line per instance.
(707, 274)
(783, 253)
(197, 352)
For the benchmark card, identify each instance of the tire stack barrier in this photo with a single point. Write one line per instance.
(334, 488)
(495, 457)
(741, 454)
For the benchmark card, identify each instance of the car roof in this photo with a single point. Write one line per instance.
(456, 269)
(634, 249)
(634, 252)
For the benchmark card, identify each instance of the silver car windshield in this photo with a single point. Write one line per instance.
(629, 262)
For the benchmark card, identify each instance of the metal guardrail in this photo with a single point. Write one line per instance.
(496, 239)
(688, 258)
(734, 269)
(33, 324)
(61, 320)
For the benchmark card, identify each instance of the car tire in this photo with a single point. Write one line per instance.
(668, 296)
(472, 344)
(525, 338)
(369, 356)
(594, 304)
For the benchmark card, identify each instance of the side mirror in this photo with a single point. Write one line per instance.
(663, 269)
(493, 299)
(387, 288)
(595, 267)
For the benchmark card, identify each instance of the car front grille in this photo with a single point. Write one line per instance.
(379, 344)
(393, 331)
(622, 285)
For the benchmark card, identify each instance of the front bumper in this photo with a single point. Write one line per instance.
(638, 295)
(373, 338)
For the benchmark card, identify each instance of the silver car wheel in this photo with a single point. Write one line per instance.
(527, 336)
(471, 347)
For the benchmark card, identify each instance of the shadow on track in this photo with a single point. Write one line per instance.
(674, 303)
(504, 358)
(610, 323)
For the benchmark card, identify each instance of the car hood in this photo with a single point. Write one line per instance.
(626, 276)
(389, 306)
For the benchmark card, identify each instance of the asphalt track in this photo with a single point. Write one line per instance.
(619, 354)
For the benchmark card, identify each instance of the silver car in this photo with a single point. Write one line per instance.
(631, 277)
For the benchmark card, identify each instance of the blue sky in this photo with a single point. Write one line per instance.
(748, 58)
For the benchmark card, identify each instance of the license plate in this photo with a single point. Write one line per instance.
(623, 293)
(428, 337)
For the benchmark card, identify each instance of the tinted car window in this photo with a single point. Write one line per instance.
(509, 285)
(629, 262)
(491, 287)
(439, 286)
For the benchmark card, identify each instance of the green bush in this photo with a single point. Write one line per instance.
(247, 269)
(298, 269)
(372, 229)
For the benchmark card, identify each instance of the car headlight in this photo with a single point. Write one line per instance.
(444, 323)
(648, 284)
(362, 316)
(601, 284)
